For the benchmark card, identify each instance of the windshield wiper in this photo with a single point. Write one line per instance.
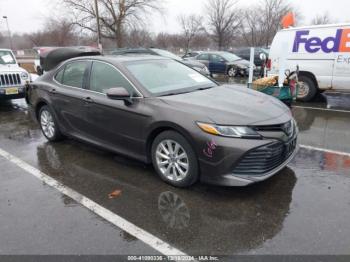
(177, 93)
(203, 88)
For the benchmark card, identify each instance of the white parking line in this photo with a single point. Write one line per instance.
(325, 150)
(116, 220)
(323, 109)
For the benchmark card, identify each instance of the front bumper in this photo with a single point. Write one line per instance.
(223, 161)
(21, 93)
(240, 180)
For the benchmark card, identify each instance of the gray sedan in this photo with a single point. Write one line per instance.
(159, 111)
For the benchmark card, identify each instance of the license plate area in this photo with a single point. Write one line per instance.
(11, 91)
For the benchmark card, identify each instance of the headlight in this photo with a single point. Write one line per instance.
(24, 75)
(241, 66)
(205, 70)
(229, 131)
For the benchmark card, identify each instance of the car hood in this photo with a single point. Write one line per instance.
(240, 62)
(192, 63)
(11, 68)
(231, 105)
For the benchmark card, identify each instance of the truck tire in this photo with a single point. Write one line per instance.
(307, 88)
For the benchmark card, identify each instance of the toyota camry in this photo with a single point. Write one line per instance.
(161, 111)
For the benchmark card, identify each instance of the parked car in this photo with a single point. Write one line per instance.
(159, 111)
(244, 52)
(224, 63)
(13, 78)
(200, 67)
(191, 54)
(322, 54)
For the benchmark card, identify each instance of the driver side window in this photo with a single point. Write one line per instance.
(104, 77)
(203, 57)
(216, 58)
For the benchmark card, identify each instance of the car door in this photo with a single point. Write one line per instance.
(217, 64)
(115, 124)
(68, 96)
(204, 59)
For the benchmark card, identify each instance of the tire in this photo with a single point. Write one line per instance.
(307, 89)
(178, 172)
(49, 125)
(232, 72)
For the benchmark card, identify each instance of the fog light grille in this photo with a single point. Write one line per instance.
(264, 159)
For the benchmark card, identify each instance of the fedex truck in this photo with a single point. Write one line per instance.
(322, 54)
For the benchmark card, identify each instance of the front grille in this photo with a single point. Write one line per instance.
(10, 80)
(264, 159)
(287, 128)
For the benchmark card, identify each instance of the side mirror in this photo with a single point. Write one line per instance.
(119, 93)
(263, 57)
(39, 70)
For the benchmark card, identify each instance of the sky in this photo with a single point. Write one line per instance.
(26, 16)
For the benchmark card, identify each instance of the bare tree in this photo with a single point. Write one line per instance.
(58, 32)
(224, 20)
(322, 19)
(191, 25)
(263, 21)
(139, 38)
(116, 16)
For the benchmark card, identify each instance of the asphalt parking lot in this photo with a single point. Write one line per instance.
(302, 210)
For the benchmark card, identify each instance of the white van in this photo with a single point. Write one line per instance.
(322, 54)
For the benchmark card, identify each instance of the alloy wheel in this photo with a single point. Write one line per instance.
(47, 124)
(172, 160)
(232, 72)
(304, 89)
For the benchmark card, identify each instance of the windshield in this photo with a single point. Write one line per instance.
(167, 77)
(166, 54)
(6, 58)
(230, 57)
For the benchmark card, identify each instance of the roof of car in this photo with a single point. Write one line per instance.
(214, 52)
(121, 58)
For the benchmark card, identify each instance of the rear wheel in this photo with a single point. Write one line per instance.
(174, 159)
(307, 89)
(49, 125)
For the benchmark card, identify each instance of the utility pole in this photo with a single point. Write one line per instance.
(99, 44)
(9, 32)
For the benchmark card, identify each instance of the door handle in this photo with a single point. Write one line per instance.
(53, 91)
(88, 100)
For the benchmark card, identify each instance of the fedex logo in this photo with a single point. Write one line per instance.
(338, 43)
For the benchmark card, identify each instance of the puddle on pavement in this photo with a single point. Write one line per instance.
(323, 129)
(216, 220)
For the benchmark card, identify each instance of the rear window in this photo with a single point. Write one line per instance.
(73, 74)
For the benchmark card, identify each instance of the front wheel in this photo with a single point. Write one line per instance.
(174, 159)
(307, 89)
(232, 72)
(49, 125)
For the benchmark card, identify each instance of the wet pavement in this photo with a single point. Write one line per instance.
(36, 219)
(302, 210)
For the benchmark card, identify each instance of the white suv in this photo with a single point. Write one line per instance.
(13, 79)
